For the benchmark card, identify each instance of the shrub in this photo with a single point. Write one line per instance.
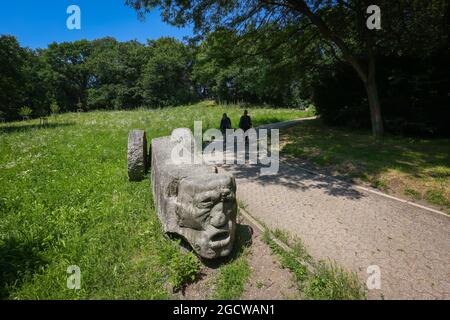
(25, 111)
(183, 269)
(54, 107)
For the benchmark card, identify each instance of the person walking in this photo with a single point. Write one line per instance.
(245, 124)
(225, 124)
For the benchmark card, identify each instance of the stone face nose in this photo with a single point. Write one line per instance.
(218, 216)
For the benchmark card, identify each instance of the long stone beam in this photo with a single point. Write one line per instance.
(193, 201)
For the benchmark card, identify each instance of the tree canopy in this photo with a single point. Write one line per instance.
(341, 23)
(253, 52)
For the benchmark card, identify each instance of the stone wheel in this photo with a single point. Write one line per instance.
(137, 155)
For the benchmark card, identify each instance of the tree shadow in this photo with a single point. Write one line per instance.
(293, 176)
(18, 262)
(28, 127)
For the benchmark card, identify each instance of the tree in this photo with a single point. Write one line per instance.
(251, 73)
(342, 23)
(22, 81)
(68, 72)
(166, 76)
(116, 69)
(12, 70)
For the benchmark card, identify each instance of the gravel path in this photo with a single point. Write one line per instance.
(354, 227)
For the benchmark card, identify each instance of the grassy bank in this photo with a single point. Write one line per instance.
(418, 169)
(315, 280)
(65, 200)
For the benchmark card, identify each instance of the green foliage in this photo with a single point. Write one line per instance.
(25, 111)
(231, 279)
(293, 260)
(166, 76)
(331, 282)
(12, 71)
(116, 69)
(182, 268)
(266, 55)
(285, 53)
(437, 196)
(68, 72)
(248, 72)
(54, 107)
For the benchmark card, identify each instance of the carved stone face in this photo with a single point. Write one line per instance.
(206, 212)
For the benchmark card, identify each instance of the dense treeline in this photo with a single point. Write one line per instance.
(89, 75)
(278, 65)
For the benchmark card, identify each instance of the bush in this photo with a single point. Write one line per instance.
(54, 107)
(183, 269)
(25, 111)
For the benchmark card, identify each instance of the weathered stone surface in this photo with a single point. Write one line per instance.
(137, 155)
(193, 201)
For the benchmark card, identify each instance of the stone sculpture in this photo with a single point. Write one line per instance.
(193, 200)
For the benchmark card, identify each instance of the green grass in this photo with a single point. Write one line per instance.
(65, 200)
(331, 282)
(417, 168)
(231, 279)
(315, 280)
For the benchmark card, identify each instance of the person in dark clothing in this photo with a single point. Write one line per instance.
(246, 122)
(225, 124)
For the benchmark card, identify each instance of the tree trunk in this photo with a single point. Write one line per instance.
(373, 97)
(375, 110)
(368, 77)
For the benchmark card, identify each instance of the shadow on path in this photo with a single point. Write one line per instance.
(292, 175)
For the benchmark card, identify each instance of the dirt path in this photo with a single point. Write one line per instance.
(354, 227)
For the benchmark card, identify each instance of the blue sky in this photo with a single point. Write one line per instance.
(37, 23)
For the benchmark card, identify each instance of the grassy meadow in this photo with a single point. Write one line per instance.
(65, 200)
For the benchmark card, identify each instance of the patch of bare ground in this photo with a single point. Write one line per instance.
(268, 280)
(203, 288)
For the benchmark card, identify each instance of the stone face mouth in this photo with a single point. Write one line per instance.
(220, 239)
